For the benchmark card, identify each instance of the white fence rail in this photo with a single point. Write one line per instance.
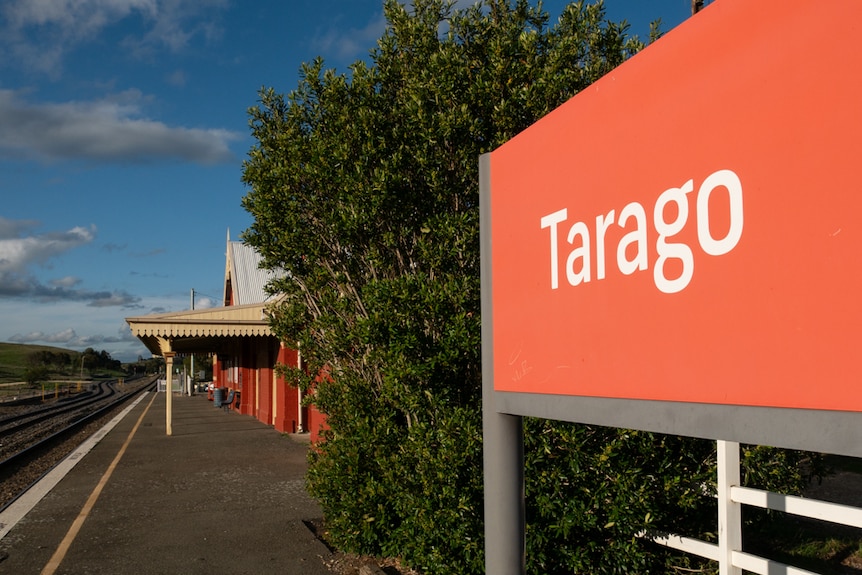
(731, 496)
(811, 508)
(176, 385)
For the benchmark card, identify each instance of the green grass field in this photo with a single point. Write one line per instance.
(14, 361)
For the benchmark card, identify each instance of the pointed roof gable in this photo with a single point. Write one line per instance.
(245, 281)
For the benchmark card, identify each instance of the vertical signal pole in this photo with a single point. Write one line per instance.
(502, 433)
(192, 378)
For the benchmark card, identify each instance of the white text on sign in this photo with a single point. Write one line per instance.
(579, 268)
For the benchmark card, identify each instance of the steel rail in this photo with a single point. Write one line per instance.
(26, 455)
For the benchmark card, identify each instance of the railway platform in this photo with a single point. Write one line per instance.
(223, 494)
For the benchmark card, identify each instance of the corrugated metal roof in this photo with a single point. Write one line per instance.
(248, 280)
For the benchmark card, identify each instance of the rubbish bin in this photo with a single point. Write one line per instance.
(218, 396)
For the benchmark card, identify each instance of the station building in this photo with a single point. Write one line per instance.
(245, 351)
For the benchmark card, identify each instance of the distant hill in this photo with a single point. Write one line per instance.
(18, 352)
(14, 358)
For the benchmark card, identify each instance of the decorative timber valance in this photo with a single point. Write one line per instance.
(197, 330)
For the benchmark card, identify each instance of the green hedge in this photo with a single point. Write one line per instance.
(364, 189)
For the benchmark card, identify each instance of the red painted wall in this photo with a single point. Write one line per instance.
(265, 411)
(287, 419)
(240, 368)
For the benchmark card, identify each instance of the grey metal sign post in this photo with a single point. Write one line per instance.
(503, 435)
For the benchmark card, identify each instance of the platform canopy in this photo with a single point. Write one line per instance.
(200, 331)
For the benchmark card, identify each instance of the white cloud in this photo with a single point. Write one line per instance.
(176, 22)
(12, 228)
(122, 346)
(65, 336)
(82, 18)
(37, 34)
(108, 130)
(351, 43)
(110, 299)
(20, 251)
(17, 253)
(65, 324)
(65, 282)
(205, 302)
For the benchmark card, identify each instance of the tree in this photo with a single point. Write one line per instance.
(89, 358)
(35, 374)
(364, 189)
(94, 360)
(48, 358)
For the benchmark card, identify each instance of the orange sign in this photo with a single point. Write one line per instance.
(688, 228)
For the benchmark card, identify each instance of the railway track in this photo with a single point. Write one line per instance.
(33, 440)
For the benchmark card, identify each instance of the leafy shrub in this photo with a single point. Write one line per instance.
(364, 189)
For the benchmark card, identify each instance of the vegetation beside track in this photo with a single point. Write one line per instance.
(24, 366)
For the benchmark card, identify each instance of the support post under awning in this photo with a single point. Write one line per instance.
(169, 366)
(168, 353)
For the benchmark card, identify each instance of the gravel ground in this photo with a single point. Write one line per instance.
(12, 485)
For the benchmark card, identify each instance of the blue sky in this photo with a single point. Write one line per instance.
(123, 128)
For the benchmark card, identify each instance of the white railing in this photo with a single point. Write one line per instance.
(731, 496)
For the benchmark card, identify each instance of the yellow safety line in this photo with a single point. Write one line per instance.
(61, 551)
